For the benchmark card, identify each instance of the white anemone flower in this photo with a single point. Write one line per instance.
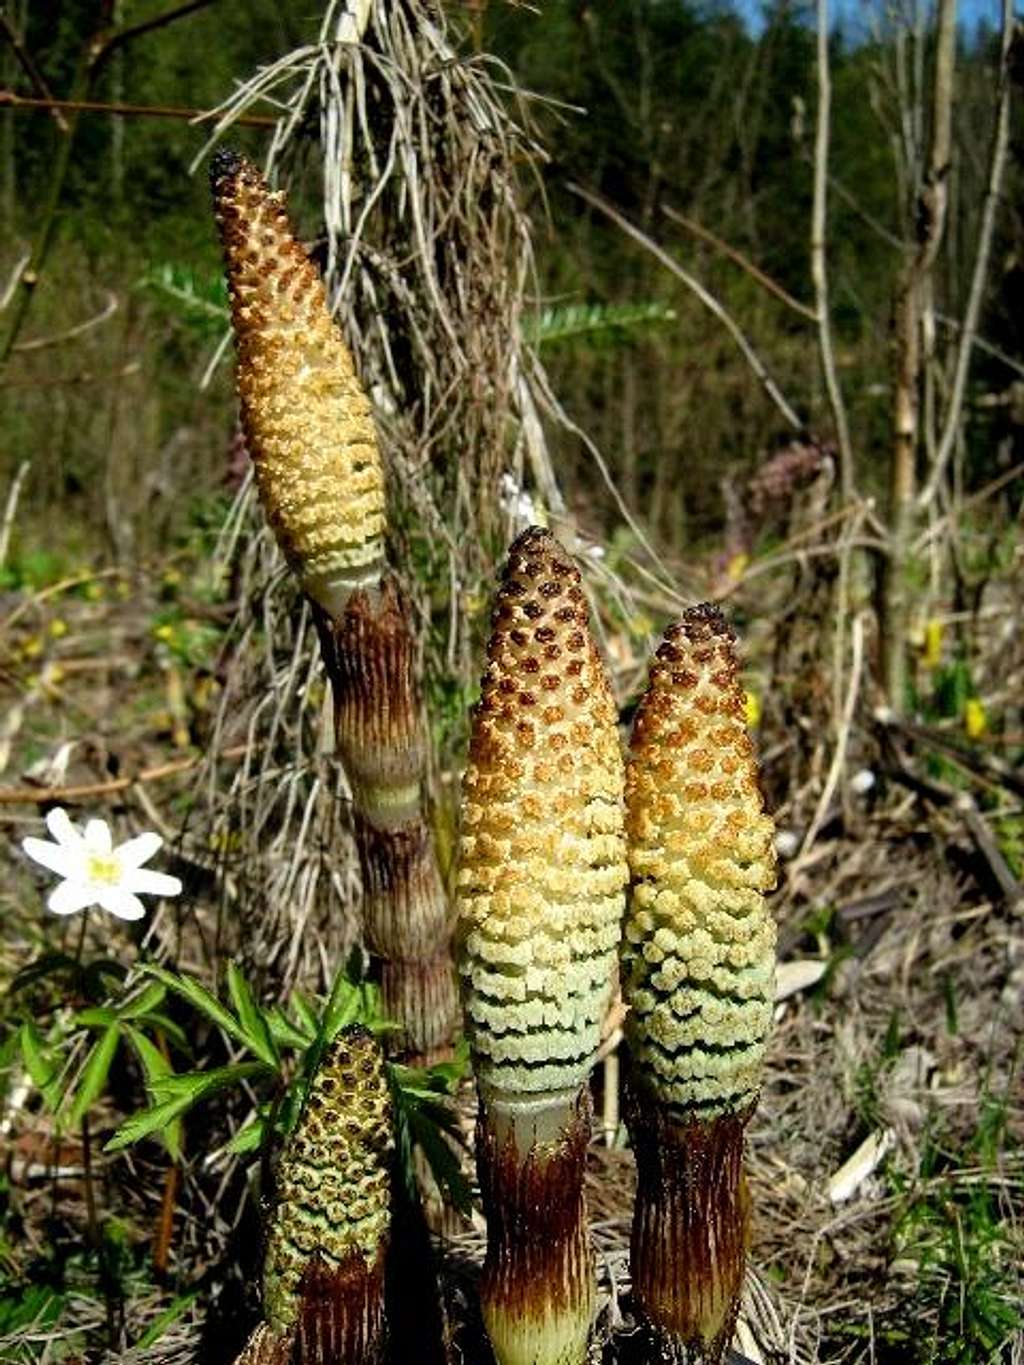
(97, 873)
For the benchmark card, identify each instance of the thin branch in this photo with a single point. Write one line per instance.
(819, 264)
(105, 45)
(44, 796)
(10, 100)
(737, 257)
(708, 299)
(40, 343)
(10, 509)
(997, 164)
(38, 82)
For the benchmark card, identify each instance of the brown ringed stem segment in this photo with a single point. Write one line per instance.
(537, 1289)
(690, 1229)
(371, 659)
(370, 654)
(306, 420)
(698, 962)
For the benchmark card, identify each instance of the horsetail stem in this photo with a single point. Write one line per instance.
(698, 963)
(540, 893)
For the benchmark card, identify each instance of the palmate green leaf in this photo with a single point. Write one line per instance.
(155, 1067)
(161, 1023)
(41, 1065)
(284, 1032)
(94, 1073)
(251, 1018)
(203, 1000)
(175, 1095)
(249, 1137)
(152, 996)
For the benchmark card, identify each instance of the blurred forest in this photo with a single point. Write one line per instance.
(671, 111)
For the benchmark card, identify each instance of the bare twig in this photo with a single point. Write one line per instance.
(912, 302)
(45, 796)
(10, 100)
(40, 343)
(737, 257)
(10, 510)
(819, 264)
(104, 45)
(708, 299)
(845, 724)
(997, 165)
(35, 76)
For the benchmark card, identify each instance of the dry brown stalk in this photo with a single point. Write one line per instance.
(45, 796)
(912, 303)
(10, 100)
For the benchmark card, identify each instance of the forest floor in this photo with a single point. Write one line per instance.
(886, 1159)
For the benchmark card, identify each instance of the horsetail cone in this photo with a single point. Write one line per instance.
(306, 420)
(323, 1275)
(542, 869)
(540, 899)
(698, 964)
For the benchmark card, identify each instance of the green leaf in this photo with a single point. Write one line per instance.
(40, 1065)
(155, 1067)
(197, 995)
(304, 1013)
(155, 1119)
(153, 995)
(342, 1008)
(167, 1318)
(252, 1020)
(284, 1032)
(248, 1138)
(173, 1032)
(594, 322)
(174, 1095)
(97, 1016)
(95, 1072)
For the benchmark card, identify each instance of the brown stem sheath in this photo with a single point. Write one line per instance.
(341, 1319)
(690, 1228)
(369, 652)
(537, 1288)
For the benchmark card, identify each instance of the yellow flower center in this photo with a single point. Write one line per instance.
(103, 867)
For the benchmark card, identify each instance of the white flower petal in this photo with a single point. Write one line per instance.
(139, 850)
(150, 883)
(97, 836)
(70, 896)
(117, 901)
(64, 861)
(58, 822)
